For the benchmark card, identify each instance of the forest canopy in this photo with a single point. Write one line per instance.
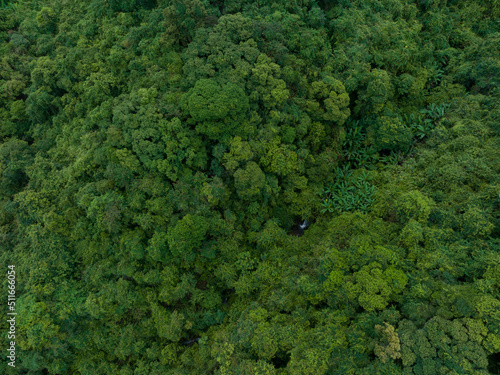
(157, 157)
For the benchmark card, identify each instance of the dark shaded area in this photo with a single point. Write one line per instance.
(281, 360)
(494, 363)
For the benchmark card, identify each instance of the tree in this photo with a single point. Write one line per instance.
(391, 347)
(187, 236)
(155, 156)
(266, 86)
(215, 107)
(389, 133)
(250, 181)
(441, 345)
(373, 288)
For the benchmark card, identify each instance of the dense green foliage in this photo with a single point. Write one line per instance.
(156, 156)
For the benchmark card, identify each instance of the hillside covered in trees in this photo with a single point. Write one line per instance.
(156, 157)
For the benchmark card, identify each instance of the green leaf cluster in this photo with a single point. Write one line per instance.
(251, 187)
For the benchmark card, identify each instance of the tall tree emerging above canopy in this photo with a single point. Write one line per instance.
(217, 110)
